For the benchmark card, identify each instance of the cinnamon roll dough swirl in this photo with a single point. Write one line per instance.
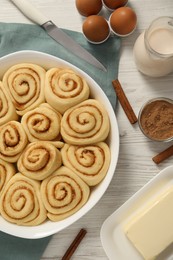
(89, 162)
(13, 141)
(7, 170)
(7, 109)
(85, 123)
(21, 203)
(42, 124)
(39, 160)
(25, 85)
(65, 88)
(63, 193)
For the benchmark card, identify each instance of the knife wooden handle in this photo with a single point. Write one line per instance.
(30, 11)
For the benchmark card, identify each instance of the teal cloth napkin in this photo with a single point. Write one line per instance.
(15, 248)
(15, 37)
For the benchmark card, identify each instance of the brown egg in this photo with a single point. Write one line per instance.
(88, 7)
(96, 28)
(113, 4)
(123, 20)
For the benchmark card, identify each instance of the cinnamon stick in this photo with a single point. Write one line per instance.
(163, 155)
(124, 101)
(74, 244)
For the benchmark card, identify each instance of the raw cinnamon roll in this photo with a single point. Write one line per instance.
(7, 170)
(42, 124)
(65, 88)
(25, 85)
(13, 141)
(21, 203)
(7, 109)
(89, 162)
(85, 123)
(39, 160)
(63, 193)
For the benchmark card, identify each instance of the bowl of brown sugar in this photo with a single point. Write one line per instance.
(156, 119)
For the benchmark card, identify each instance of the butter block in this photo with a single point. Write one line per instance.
(151, 230)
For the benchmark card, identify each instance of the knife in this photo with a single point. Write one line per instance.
(56, 33)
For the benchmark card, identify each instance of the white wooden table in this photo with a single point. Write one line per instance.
(135, 166)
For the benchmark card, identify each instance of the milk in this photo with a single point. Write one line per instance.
(153, 50)
(161, 40)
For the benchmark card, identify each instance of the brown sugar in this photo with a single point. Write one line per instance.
(156, 120)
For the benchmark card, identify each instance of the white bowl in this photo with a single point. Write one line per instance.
(49, 228)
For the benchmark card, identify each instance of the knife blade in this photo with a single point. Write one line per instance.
(56, 33)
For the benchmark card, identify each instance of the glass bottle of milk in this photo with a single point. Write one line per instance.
(153, 49)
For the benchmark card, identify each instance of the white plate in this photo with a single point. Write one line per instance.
(48, 228)
(114, 241)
